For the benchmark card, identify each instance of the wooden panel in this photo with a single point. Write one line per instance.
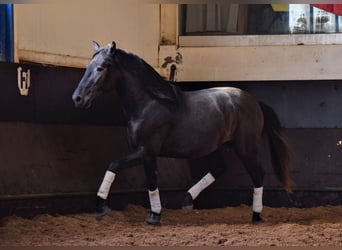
(60, 34)
(49, 98)
(255, 63)
(49, 148)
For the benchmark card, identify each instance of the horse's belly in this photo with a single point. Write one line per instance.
(193, 142)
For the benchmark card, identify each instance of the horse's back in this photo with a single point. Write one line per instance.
(233, 100)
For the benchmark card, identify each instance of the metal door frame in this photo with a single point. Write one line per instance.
(6, 33)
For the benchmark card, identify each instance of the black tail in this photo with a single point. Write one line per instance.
(279, 148)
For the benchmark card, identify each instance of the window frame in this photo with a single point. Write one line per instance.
(207, 40)
(259, 40)
(246, 57)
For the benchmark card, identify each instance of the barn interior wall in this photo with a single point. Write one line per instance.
(61, 33)
(51, 149)
(48, 147)
(253, 62)
(57, 34)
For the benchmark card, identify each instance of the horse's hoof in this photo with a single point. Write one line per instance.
(256, 218)
(188, 203)
(101, 208)
(153, 218)
(100, 212)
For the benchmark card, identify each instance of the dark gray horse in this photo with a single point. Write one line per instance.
(165, 121)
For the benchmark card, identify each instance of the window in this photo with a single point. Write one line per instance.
(256, 19)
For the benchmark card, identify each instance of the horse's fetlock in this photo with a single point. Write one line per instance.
(188, 202)
(256, 218)
(153, 218)
(101, 208)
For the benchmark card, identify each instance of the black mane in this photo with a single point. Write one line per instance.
(156, 86)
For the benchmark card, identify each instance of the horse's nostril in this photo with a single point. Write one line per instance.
(78, 99)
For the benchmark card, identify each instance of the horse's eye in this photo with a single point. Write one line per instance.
(100, 68)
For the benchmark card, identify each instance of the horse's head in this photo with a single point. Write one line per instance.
(94, 79)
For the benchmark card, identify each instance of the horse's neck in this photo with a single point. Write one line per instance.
(135, 94)
(132, 94)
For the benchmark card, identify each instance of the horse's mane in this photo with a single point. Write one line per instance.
(156, 86)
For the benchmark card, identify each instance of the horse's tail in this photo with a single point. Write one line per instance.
(279, 148)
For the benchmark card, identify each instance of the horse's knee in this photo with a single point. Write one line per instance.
(114, 167)
(150, 167)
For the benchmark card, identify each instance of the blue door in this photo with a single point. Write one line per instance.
(6, 33)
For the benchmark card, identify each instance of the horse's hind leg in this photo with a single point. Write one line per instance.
(249, 158)
(216, 170)
(150, 166)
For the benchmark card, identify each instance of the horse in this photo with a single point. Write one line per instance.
(164, 121)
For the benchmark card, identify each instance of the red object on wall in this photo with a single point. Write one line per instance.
(333, 8)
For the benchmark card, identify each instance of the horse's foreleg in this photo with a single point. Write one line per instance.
(133, 159)
(257, 204)
(150, 166)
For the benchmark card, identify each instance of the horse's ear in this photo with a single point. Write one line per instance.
(96, 46)
(112, 48)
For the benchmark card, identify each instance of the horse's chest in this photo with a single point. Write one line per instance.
(140, 131)
(134, 130)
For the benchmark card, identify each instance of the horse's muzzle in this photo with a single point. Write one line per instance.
(78, 101)
(81, 102)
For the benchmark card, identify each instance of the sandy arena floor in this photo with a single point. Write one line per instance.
(230, 226)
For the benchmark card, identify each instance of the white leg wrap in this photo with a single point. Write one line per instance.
(106, 184)
(196, 189)
(155, 201)
(257, 200)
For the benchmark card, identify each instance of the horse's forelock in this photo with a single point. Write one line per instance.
(102, 56)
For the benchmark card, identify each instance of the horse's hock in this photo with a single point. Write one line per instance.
(52, 153)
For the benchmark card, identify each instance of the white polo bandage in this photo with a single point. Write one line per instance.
(196, 189)
(155, 201)
(257, 199)
(106, 184)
